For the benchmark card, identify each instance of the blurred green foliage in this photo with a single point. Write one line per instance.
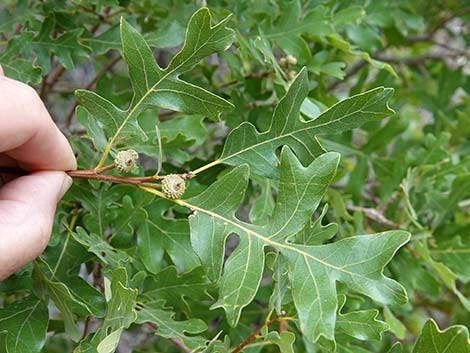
(123, 265)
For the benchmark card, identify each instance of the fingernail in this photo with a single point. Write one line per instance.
(65, 186)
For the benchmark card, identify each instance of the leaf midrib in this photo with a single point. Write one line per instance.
(25, 321)
(266, 240)
(163, 324)
(248, 231)
(221, 160)
(16, 313)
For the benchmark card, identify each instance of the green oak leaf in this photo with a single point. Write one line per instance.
(21, 70)
(454, 339)
(350, 14)
(348, 348)
(362, 325)
(157, 87)
(261, 45)
(73, 296)
(246, 145)
(443, 273)
(337, 41)
(129, 212)
(172, 288)
(319, 64)
(313, 271)
(192, 128)
(96, 203)
(177, 136)
(98, 246)
(120, 315)
(159, 234)
(283, 340)
(454, 253)
(168, 327)
(18, 68)
(9, 17)
(263, 206)
(168, 36)
(396, 326)
(292, 23)
(63, 299)
(103, 42)
(66, 47)
(25, 324)
(281, 291)
(213, 220)
(94, 130)
(460, 190)
(314, 233)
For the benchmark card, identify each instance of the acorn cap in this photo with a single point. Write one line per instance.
(173, 186)
(126, 160)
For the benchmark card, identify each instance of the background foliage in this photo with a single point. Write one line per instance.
(198, 90)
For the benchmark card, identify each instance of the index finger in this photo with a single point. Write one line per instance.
(27, 132)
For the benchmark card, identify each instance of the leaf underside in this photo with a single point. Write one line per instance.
(313, 270)
(245, 144)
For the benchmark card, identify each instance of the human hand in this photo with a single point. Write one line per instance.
(30, 140)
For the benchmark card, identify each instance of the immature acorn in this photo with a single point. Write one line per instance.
(173, 186)
(287, 61)
(126, 160)
(292, 74)
(283, 62)
(291, 60)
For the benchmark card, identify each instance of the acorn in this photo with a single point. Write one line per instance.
(292, 74)
(173, 186)
(126, 160)
(291, 60)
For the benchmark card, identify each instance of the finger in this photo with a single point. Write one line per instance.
(1, 71)
(27, 132)
(9, 169)
(7, 161)
(27, 207)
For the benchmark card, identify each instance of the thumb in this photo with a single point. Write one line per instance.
(27, 208)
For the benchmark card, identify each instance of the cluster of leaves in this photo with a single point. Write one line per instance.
(299, 201)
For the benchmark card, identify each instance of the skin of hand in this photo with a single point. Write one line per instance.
(29, 139)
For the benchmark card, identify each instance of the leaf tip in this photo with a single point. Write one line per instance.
(302, 75)
(79, 93)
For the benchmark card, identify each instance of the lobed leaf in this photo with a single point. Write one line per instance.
(245, 144)
(155, 313)
(157, 87)
(158, 234)
(67, 47)
(455, 339)
(313, 270)
(362, 324)
(119, 315)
